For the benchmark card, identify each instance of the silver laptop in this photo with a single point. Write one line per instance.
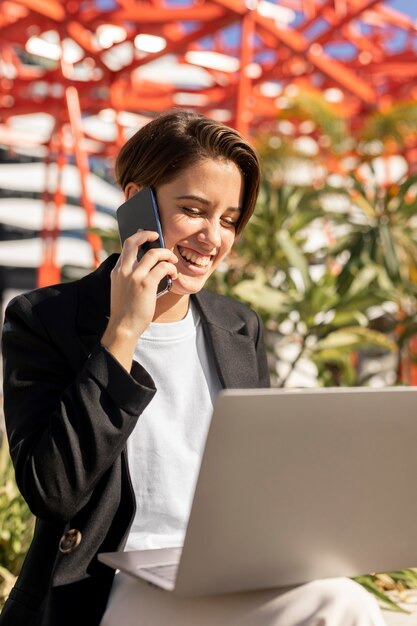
(295, 485)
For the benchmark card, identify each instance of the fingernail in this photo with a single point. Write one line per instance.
(139, 230)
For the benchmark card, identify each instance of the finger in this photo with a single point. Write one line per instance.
(139, 238)
(131, 244)
(155, 256)
(160, 271)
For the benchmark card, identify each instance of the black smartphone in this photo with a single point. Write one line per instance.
(141, 211)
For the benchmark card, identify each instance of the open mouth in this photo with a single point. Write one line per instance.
(192, 258)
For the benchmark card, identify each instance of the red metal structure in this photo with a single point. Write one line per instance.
(362, 47)
(233, 60)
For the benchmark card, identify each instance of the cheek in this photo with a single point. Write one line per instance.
(227, 242)
(172, 235)
(179, 228)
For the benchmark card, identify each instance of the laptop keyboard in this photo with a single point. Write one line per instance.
(167, 572)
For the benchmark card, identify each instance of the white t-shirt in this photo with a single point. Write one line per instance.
(164, 450)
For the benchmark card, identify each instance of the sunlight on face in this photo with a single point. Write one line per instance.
(199, 211)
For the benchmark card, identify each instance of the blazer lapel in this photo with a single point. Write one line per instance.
(234, 352)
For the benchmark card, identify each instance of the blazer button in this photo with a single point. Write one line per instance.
(70, 541)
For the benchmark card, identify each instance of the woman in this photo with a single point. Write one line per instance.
(84, 360)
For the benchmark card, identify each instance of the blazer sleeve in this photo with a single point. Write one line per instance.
(65, 430)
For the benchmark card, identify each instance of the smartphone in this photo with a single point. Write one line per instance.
(141, 211)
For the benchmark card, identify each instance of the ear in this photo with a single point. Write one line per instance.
(130, 190)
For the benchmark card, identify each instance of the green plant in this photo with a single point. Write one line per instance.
(390, 585)
(392, 127)
(381, 231)
(16, 524)
(295, 286)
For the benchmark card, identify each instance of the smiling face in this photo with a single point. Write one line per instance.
(199, 210)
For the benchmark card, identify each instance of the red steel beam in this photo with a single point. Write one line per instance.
(158, 15)
(243, 113)
(74, 112)
(340, 74)
(349, 17)
(182, 44)
(49, 8)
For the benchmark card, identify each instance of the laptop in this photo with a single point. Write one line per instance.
(295, 485)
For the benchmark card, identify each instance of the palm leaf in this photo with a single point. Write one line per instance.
(259, 295)
(389, 252)
(294, 256)
(368, 583)
(355, 337)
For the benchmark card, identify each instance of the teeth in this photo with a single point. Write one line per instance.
(201, 261)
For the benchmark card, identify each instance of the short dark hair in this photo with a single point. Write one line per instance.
(173, 141)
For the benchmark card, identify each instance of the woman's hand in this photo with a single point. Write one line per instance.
(134, 287)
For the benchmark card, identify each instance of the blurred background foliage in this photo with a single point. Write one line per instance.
(329, 261)
(332, 271)
(329, 257)
(16, 525)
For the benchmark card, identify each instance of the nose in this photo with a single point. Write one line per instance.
(210, 234)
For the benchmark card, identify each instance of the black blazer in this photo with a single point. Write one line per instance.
(70, 408)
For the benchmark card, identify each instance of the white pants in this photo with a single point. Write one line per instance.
(331, 602)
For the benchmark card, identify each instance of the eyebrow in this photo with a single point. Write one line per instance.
(205, 202)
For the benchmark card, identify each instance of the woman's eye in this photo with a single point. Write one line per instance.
(229, 221)
(192, 212)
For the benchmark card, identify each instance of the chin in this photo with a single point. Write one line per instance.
(184, 287)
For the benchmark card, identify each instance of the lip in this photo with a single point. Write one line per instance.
(193, 269)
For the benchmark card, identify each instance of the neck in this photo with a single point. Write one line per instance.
(171, 307)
